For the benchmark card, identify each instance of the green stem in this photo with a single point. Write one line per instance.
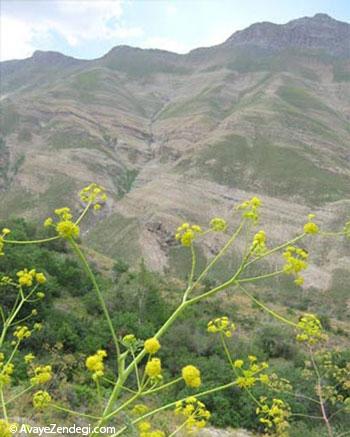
(91, 275)
(227, 352)
(45, 240)
(178, 429)
(19, 394)
(172, 404)
(3, 403)
(277, 248)
(75, 413)
(268, 310)
(256, 278)
(220, 254)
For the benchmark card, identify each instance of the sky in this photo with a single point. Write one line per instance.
(88, 29)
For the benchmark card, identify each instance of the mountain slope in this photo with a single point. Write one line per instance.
(176, 137)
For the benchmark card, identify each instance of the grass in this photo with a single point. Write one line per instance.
(270, 169)
(71, 140)
(9, 118)
(302, 99)
(117, 237)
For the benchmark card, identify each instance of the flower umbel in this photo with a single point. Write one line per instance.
(221, 324)
(95, 364)
(191, 376)
(186, 233)
(195, 413)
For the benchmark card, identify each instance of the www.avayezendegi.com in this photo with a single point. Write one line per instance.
(55, 429)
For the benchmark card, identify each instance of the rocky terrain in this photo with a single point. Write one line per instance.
(176, 137)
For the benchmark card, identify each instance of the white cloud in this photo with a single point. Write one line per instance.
(76, 21)
(169, 44)
(170, 9)
(15, 39)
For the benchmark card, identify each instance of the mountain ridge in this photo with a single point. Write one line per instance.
(239, 37)
(179, 137)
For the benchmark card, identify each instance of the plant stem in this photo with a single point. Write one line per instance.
(91, 275)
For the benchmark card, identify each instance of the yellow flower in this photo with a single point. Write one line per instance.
(251, 209)
(29, 358)
(238, 363)
(48, 222)
(93, 194)
(5, 231)
(140, 409)
(43, 374)
(41, 399)
(191, 376)
(6, 428)
(63, 213)
(40, 278)
(25, 277)
(187, 233)
(6, 372)
(95, 364)
(144, 426)
(22, 332)
(67, 229)
(152, 345)
(310, 227)
(311, 330)
(222, 324)
(218, 224)
(195, 412)
(153, 368)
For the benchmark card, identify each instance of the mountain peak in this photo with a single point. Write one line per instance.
(52, 58)
(320, 32)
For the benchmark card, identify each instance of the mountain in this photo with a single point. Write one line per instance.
(176, 137)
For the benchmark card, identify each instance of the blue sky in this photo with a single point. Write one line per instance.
(89, 28)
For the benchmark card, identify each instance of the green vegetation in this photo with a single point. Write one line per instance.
(302, 99)
(9, 118)
(71, 140)
(271, 169)
(138, 304)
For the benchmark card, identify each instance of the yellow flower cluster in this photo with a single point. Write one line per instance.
(191, 376)
(195, 412)
(140, 409)
(27, 277)
(259, 243)
(6, 370)
(93, 194)
(65, 227)
(218, 224)
(250, 375)
(221, 324)
(186, 233)
(152, 346)
(6, 428)
(251, 209)
(295, 262)
(153, 368)
(42, 375)
(4, 232)
(22, 332)
(274, 417)
(29, 358)
(311, 330)
(95, 364)
(310, 227)
(41, 399)
(145, 430)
